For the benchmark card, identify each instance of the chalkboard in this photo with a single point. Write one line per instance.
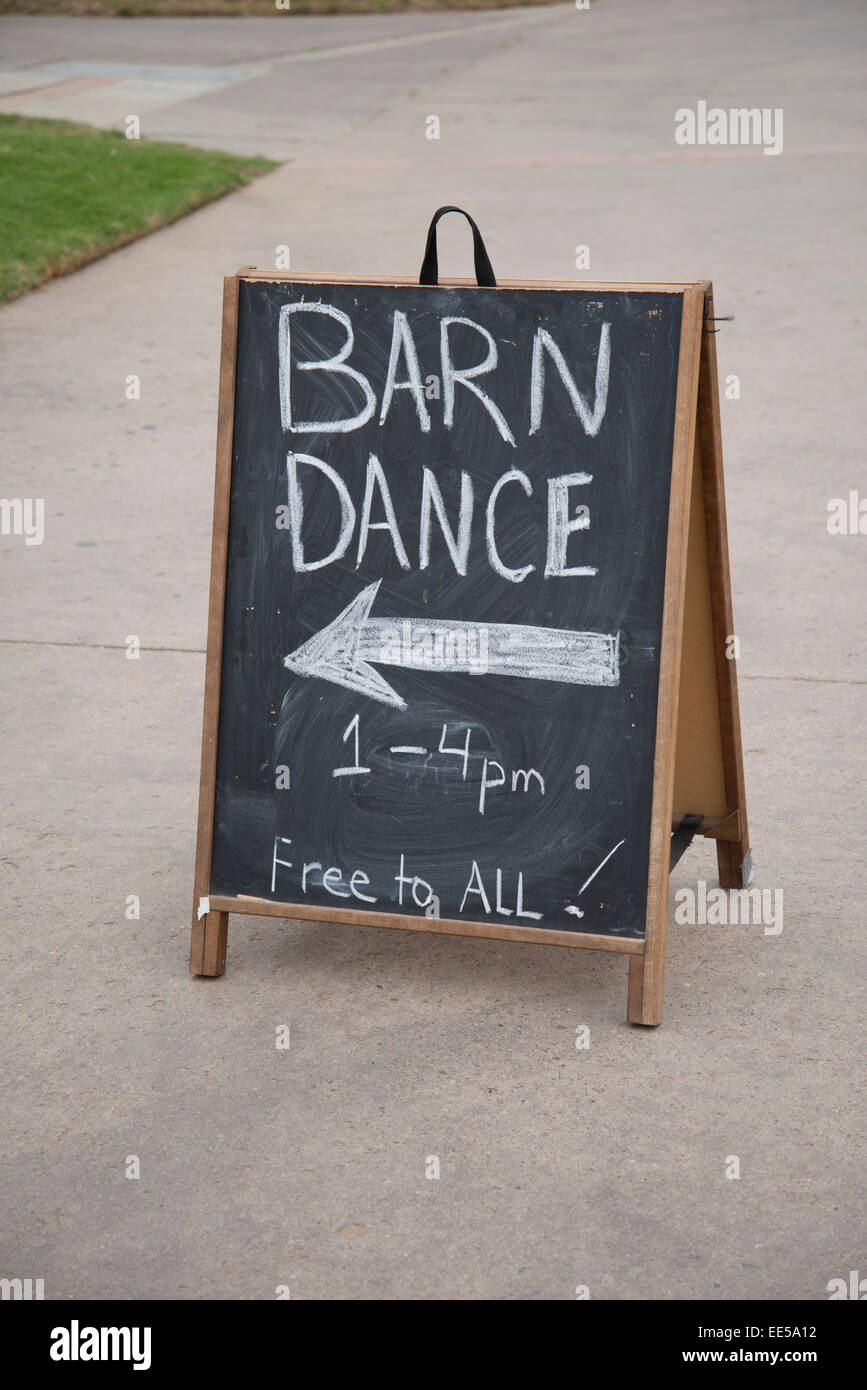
(443, 543)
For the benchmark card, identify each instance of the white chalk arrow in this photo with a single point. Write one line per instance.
(343, 652)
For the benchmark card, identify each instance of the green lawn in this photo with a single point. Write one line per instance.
(69, 193)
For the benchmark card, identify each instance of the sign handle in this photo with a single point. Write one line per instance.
(429, 274)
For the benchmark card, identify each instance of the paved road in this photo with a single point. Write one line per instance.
(262, 1167)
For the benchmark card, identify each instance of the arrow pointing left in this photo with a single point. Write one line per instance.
(343, 652)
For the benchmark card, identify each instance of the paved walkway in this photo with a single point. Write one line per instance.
(262, 1167)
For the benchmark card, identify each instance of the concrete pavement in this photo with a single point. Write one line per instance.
(262, 1167)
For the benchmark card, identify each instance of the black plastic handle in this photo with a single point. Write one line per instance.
(429, 274)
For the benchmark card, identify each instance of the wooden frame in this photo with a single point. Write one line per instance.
(696, 565)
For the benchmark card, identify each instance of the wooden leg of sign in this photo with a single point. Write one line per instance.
(644, 995)
(646, 971)
(209, 933)
(636, 989)
(208, 944)
(730, 857)
(730, 853)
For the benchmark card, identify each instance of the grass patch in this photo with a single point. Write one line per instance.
(181, 8)
(70, 193)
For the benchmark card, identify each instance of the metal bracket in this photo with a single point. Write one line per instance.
(747, 874)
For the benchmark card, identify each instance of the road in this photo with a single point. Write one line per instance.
(305, 1167)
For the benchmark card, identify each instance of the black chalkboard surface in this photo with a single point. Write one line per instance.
(447, 611)
(450, 581)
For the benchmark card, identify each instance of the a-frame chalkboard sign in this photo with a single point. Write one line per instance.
(470, 614)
